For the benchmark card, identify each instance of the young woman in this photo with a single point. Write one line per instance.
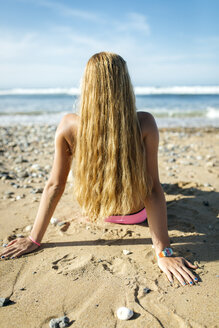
(113, 150)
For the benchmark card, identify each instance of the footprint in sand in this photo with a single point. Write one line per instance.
(119, 266)
(72, 264)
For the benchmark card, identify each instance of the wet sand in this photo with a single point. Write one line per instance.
(82, 272)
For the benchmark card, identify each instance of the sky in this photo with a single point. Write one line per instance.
(46, 43)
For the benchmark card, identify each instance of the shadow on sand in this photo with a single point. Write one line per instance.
(192, 211)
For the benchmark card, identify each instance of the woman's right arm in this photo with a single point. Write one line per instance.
(155, 205)
(51, 195)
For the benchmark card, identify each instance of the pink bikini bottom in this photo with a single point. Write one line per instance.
(133, 218)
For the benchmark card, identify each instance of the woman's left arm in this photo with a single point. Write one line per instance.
(155, 205)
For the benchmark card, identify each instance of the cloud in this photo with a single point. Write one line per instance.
(15, 46)
(68, 11)
(57, 57)
(134, 22)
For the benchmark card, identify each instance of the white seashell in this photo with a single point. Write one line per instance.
(124, 313)
(126, 252)
(28, 228)
(54, 221)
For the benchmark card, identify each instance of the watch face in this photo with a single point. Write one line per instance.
(168, 252)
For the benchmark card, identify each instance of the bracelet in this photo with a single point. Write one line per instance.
(165, 253)
(35, 242)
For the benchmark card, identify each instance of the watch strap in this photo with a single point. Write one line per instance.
(165, 253)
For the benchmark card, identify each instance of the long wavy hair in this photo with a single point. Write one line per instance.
(109, 168)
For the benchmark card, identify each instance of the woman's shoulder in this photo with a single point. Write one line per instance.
(68, 128)
(147, 123)
(68, 124)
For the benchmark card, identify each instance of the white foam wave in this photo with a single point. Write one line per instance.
(34, 119)
(212, 113)
(42, 91)
(176, 90)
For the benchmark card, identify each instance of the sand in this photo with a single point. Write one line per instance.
(82, 272)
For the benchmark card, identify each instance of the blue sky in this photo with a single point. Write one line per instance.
(45, 43)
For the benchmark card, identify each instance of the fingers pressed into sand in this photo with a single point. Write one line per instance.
(178, 276)
(8, 252)
(17, 254)
(191, 275)
(8, 249)
(186, 275)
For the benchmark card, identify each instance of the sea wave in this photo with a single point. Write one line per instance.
(42, 91)
(175, 113)
(178, 90)
(209, 112)
(139, 91)
(30, 113)
(212, 112)
(160, 112)
(56, 118)
(17, 119)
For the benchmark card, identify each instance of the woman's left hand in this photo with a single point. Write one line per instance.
(178, 266)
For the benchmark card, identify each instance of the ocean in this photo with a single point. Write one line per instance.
(195, 106)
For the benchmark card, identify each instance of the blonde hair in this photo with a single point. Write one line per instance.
(110, 176)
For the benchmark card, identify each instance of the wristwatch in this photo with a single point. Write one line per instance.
(166, 252)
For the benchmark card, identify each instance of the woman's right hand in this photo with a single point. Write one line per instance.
(18, 247)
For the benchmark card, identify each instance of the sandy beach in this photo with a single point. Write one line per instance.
(81, 271)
